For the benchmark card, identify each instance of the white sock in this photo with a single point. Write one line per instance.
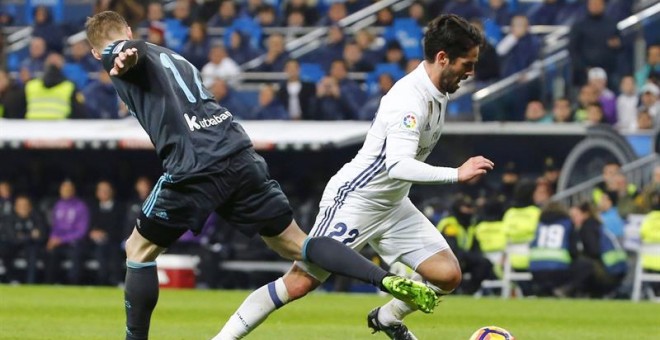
(393, 312)
(254, 310)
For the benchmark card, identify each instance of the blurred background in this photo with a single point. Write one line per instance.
(565, 101)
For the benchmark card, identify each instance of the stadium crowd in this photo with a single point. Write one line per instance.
(76, 238)
(228, 39)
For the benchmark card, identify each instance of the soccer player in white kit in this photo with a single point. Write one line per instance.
(367, 202)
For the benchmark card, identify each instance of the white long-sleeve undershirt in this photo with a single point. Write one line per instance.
(401, 164)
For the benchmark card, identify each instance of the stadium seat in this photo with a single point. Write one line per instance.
(408, 33)
(509, 276)
(641, 276)
(249, 28)
(311, 72)
(372, 78)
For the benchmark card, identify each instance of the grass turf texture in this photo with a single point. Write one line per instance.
(46, 312)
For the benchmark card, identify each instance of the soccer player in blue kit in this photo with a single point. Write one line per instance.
(210, 165)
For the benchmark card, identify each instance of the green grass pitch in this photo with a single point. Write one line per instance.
(46, 312)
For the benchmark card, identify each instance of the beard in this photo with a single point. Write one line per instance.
(449, 81)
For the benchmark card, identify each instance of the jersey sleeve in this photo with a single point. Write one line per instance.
(403, 121)
(112, 51)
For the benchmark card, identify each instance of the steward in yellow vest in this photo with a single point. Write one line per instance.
(650, 233)
(52, 97)
(458, 230)
(521, 221)
(491, 234)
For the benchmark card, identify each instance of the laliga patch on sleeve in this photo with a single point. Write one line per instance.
(118, 47)
(409, 121)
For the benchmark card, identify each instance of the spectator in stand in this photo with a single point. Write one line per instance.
(371, 52)
(487, 69)
(561, 111)
(545, 13)
(155, 13)
(101, 100)
(384, 17)
(295, 19)
(35, 62)
(394, 55)
(355, 59)
(53, 96)
(543, 192)
(226, 14)
(644, 121)
(412, 65)
(310, 13)
(297, 96)
(177, 27)
(535, 113)
(650, 72)
(370, 107)
(29, 235)
(626, 105)
(134, 207)
(220, 65)
(551, 174)
(6, 200)
(336, 12)
(594, 42)
(106, 234)
(267, 17)
(251, 8)
(67, 236)
(80, 63)
(227, 98)
(588, 95)
(333, 48)
(12, 97)
(650, 100)
(132, 10)
(276, 55)
(156, 33)
(552, 250)
(519, 49)
(269, 107)
(595, 114)
(338, 98)
(465, 8)
(498, 11)
(509, 182)
(240, 49)
(45, 28)
(198, 46)
(598, 79)
(601, 266)
(417, 12)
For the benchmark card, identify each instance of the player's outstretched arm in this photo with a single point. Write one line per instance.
(474, 167)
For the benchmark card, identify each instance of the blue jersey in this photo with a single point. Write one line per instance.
(550, 248)
(164, 91)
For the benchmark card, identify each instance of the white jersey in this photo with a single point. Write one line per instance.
(414, 110)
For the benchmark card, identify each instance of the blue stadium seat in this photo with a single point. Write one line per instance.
(311, 72)
(15, 58)
(408, 33)
(249, 28)
(372, 78)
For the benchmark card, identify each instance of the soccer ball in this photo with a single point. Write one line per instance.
(492, 333)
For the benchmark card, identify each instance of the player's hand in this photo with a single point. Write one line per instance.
(474, 167)
(124, 61)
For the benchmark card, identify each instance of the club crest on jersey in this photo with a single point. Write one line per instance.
(409, 121)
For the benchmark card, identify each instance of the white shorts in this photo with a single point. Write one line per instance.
(401, 233)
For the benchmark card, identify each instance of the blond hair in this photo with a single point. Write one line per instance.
(103, 27)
